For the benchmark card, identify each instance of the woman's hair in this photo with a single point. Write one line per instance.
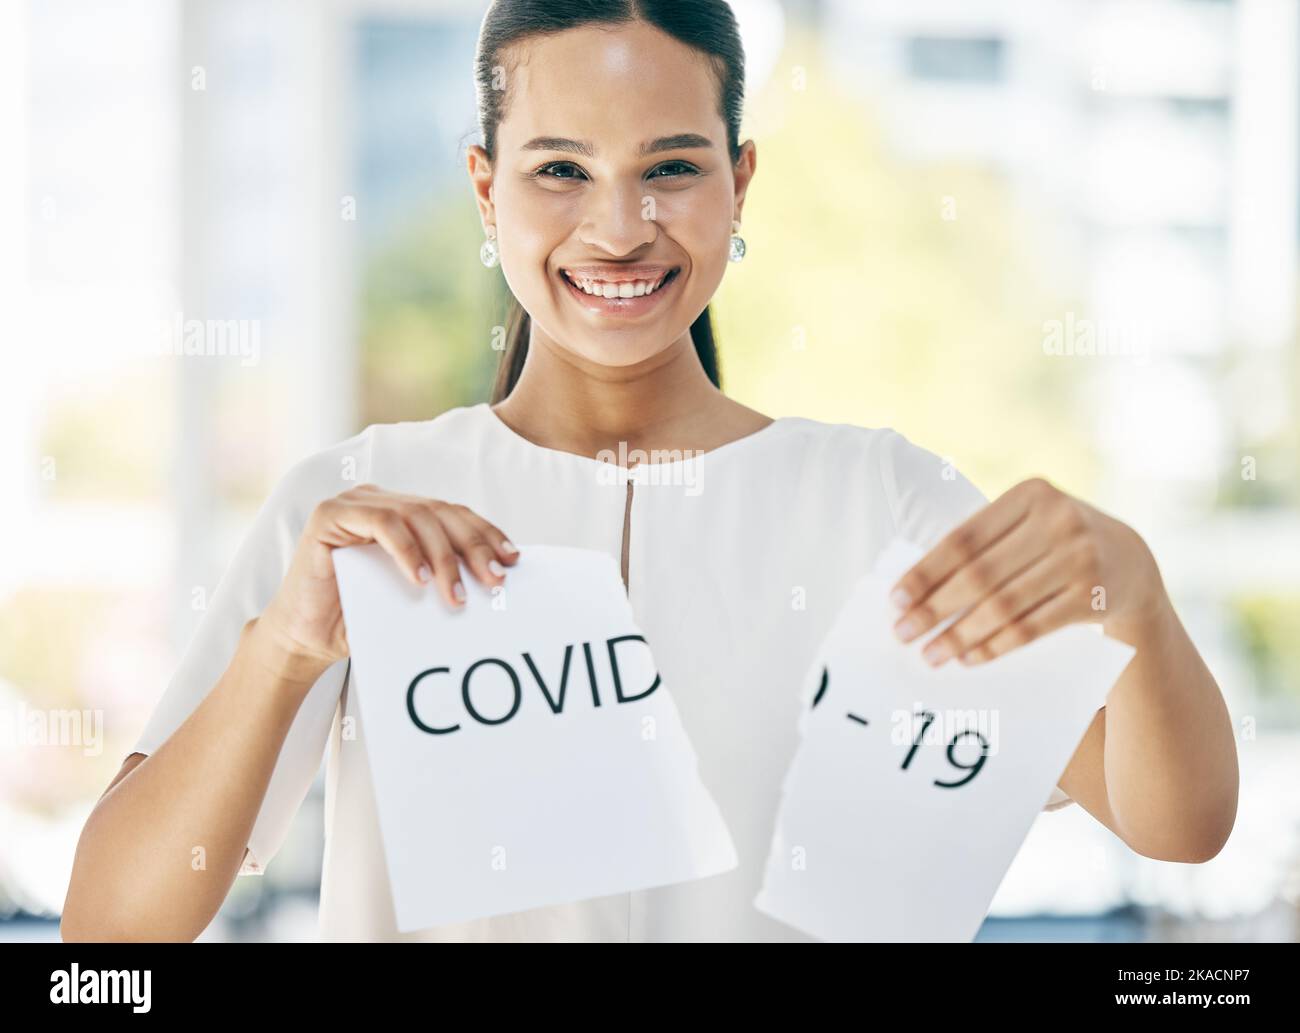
(708, 26)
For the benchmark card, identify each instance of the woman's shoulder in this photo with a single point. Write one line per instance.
(460, 422)
(334, 468)
(851, 442)
(917, 482)
(903, 462)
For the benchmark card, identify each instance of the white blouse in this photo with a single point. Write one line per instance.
(738, 561)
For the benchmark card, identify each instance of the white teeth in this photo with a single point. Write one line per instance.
(623, 289)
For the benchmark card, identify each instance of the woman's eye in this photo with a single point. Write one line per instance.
(555, 168)
(567, 171)
(673, 168)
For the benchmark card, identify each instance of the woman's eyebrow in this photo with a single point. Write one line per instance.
(676, 142)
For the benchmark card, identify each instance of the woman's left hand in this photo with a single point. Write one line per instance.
(1033, 560)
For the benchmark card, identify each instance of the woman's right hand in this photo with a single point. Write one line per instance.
(425, 537)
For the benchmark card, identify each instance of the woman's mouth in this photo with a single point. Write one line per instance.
(619, 295)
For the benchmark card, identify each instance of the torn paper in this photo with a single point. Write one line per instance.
(913, 787)
(524, 750)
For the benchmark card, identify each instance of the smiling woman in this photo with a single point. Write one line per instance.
(612, 207)
(610, 182)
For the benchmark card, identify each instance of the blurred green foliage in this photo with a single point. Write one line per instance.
(1268, 627)
(101, 435)
(1272, 478)
(36, 650)
(887, 293)
(428, 307)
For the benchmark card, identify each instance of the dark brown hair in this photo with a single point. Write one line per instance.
(706, 25)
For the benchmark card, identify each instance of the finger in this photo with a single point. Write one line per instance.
(966, 541)
(383, 525)
(425, 519)
(467, 538)
(506, 550)
(1037, 583)
(1014, 552)
(1054, 612)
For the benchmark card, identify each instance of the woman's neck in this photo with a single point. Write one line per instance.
(668, 402)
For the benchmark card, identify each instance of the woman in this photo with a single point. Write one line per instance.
(611, 183)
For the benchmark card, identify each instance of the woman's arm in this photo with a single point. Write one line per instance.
(163, 845)
(1158, 765)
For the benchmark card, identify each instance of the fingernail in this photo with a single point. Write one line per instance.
(936, 653)
(458, 590)
(900, 598)
(424, 573)
(508, 546)
(496, 568)
(906, 630)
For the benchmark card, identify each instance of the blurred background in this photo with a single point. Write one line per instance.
(1069, 229)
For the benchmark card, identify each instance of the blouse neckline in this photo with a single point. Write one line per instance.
(504, 429)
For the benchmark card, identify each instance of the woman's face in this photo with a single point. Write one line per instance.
(613, 193)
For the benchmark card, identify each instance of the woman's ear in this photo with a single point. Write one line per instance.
(744, 172)
(480, 178)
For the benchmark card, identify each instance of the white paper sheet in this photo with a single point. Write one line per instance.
(867, 846)
(543, 798)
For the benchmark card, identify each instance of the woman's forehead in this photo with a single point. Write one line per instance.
(616, 88)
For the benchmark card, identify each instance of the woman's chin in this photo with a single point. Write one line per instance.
(615, 350)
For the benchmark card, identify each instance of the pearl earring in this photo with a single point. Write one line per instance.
(737, 242)
(489, 254)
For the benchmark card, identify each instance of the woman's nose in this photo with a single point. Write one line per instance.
(618, 220)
